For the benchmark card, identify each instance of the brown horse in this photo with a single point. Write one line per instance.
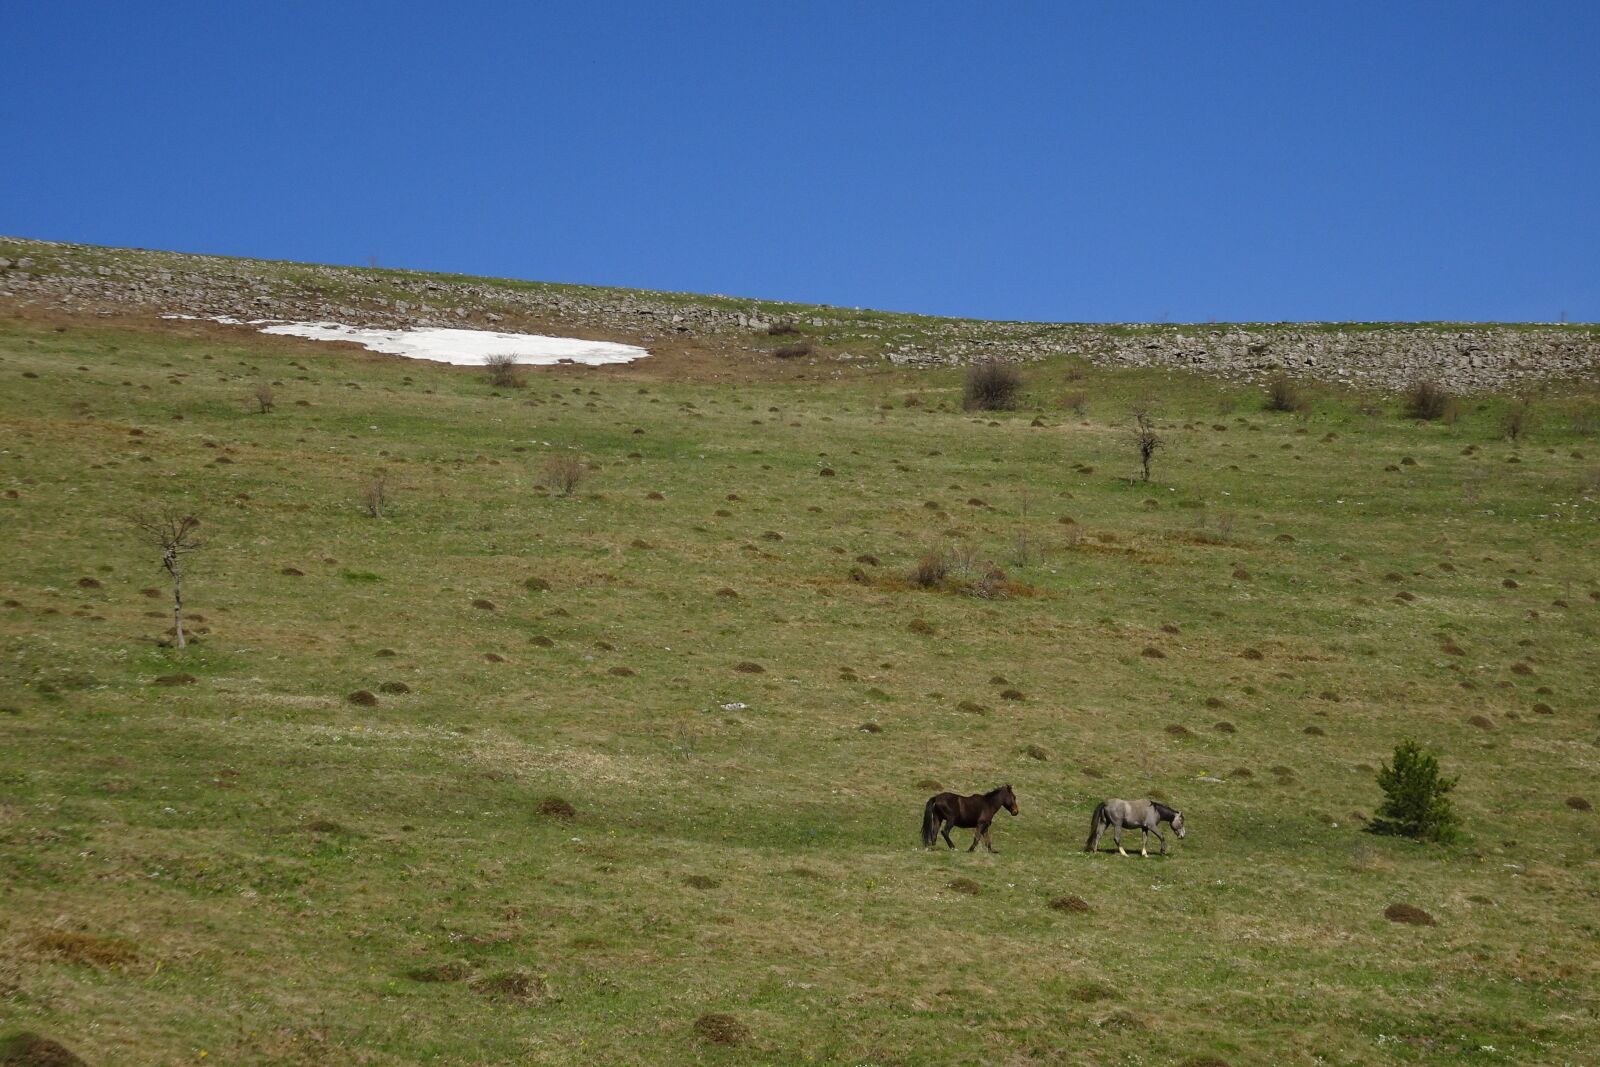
(974, 812)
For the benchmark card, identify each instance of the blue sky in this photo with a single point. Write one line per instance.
(1062, 161)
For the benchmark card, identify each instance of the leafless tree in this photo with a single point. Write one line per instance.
(172, 533)
(1144, 437)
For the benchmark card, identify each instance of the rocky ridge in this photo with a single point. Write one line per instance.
(84, 279)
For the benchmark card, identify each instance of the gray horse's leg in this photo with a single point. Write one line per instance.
(1116, 836)
(1144, 842)
(1160, 837)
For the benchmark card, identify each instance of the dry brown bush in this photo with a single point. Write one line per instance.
(1428, 400)
(1283, 394)
(503, 372)
(991, 387)
(563, 474)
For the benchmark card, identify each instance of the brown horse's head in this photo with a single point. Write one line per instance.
(1008, 799)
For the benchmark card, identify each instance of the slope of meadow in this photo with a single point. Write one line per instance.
(711, 652)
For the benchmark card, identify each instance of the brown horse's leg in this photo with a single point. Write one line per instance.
(945, 825)
(988, 841)
(977, 835)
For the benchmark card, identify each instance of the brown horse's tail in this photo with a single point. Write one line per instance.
(930, 825)
(1094, 826)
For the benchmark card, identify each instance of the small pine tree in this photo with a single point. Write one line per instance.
(1416, 798)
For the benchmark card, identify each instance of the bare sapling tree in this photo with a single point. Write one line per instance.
(1145, 439)
(172, 533)
(376, 494)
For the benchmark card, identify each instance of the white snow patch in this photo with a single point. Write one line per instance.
(464, 348)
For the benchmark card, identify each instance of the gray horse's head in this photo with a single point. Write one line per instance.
(1177, 823)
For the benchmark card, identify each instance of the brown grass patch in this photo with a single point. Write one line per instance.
(965, 885)
(920, 626)
(1012, 694)
(362, 697)
(1578, 803)
(870, 728)
(930, 783)
(621, 672)
(972, 707)
(483, 605)
(1408, 914)
(1035, 752)
(176, 679)
(1314, 731)
(1091, 992)
(1152, 652)
(718, 1029)
(514, 986)
(1070, 904)
(1541, 708)
(393, 687)
(83, 948)
(1224, 727)
(1251, 653)
(1481, 722)
(701, 881)
(750, 668)
(453, 971)
(1177, 730)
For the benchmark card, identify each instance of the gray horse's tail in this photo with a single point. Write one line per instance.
(1094, 826)
(930, 825)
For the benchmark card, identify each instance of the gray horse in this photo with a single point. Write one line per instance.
(1120, 815)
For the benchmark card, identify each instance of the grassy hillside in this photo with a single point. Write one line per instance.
(711, 652)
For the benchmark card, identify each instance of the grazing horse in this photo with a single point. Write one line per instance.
(1120, 815)
(976, 812)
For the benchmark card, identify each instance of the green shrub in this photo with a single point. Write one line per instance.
(1416, 800)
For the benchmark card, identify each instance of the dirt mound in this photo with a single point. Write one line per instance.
(362, 698)
(556, 808)
(1071, 904)
(1408, 914)
(29, 1049)
(965, 885)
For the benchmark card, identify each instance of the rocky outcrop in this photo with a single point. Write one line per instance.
(88, 280)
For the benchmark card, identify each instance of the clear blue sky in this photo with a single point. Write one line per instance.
(1065, 161)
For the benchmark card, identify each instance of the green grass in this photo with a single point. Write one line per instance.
(254, 868)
